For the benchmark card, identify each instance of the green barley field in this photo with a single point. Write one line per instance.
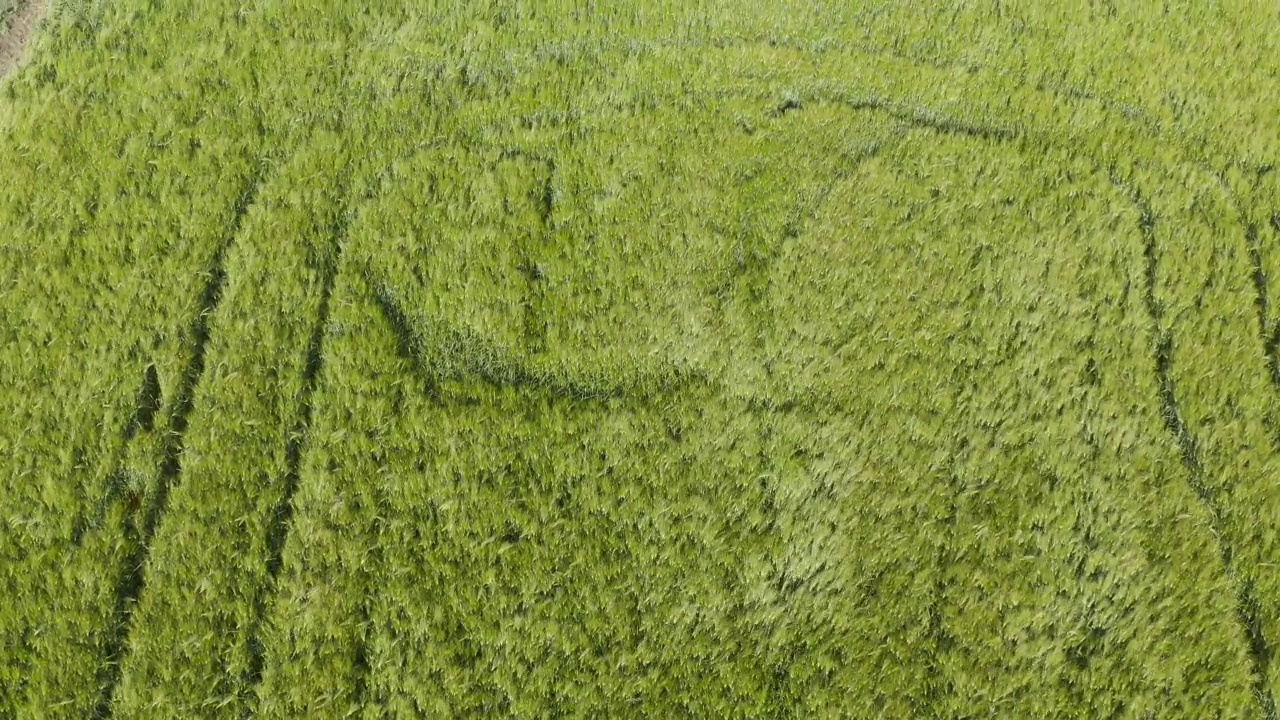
(641, 359)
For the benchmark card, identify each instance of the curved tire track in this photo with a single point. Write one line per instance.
(295, 445)
(1248, 608)
(1247, 605)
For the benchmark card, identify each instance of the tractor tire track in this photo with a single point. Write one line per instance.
(1247, 605)
(1269, 328)
(1268, 331)
(1271, 336)
(281, 518)
(132, 579)
(295, 445)
(361, 660)
(147, 403)
(535, 324)
(444, 353)
(1248, 613)
(940, 684)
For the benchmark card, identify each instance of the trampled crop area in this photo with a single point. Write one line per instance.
(641, 359)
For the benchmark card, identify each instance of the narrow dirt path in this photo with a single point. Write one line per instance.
(16, 32)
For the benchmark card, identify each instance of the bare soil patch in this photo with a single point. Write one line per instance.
(17, 30)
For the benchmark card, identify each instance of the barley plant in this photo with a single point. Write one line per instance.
(641, 359)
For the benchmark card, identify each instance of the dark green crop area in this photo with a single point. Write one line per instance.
(641, 359)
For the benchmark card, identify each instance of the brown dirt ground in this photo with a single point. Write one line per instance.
(17, 31)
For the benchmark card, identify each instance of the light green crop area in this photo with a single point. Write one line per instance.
(641, 359)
